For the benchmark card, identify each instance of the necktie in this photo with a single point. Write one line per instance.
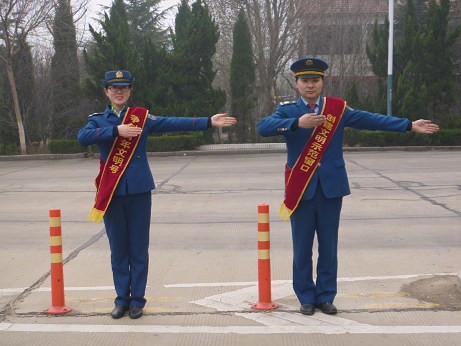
(312, 107)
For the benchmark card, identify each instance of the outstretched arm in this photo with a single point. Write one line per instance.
(222, 120)
(424, 126)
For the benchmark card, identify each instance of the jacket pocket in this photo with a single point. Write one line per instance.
(340, 163)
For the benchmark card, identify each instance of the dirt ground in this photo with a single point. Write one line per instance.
(438, 290)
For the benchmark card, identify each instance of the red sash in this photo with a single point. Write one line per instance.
(116, 163)
(310, 157)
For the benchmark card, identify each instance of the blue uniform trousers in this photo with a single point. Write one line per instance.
(318, 215)
(127, 222)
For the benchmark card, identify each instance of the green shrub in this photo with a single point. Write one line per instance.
(66, 146)
(172, 143)
(9, 149)
(356, 138)
(154, 143)
(272, 139)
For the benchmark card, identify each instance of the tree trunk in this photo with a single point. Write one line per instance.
(17, 111)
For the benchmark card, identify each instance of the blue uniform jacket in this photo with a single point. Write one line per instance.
(137, 177)
(331, 170)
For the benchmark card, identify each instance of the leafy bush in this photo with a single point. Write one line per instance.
(356, 138)
(9, 149)
(172, 143)
(66, 146)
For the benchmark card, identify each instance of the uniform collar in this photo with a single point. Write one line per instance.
(306, 103)
(109, 112)
(302, 104)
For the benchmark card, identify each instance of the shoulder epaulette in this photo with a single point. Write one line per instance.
(350, 108)
(95, 114)
(151, 117)
(286, 103)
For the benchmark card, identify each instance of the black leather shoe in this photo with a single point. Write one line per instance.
(119, 311)
(135, 311)
(327, 308)
(307, 309)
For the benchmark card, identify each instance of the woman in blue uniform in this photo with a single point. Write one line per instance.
(125, 183)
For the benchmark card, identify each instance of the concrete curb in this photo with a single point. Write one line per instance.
(458, 284)
(43, 157)
(223, 149)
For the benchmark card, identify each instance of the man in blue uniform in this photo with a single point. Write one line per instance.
(316, 178)
(125, 183)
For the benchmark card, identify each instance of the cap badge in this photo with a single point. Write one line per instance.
(309, 62)
(119, 74)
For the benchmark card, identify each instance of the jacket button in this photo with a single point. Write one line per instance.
(319, 164)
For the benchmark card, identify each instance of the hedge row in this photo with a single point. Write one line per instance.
(356, 138)
(63, 146)
(352, 138)
(154, 143)
(173, 143)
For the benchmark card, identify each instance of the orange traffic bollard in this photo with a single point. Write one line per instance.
(264, 261)
(57, 277)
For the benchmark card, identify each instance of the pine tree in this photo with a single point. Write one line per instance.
(353, 99)
(145, 19)
(112, 50)
(153, 86)
(377, 51)
(412, 95)
(192, 74)
(406, 76)
(377, 54)
(65, 74)
(437, 63)
(242, 80)
(423, 60)
(183, 17)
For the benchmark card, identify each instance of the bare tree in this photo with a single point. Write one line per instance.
(338, 33)
(43, 95)
(19, 18)
(275, 26)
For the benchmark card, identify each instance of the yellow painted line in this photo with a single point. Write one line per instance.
(101, 311)
(376, 295)
(111, 300)
(148, 309)
(56, 257)
(55, 221)
(109, 310)
(162, 299)
(56, 240)
(264, 254)
(86, 300)
(264, 236)
(210, 331)
(399, 305)
(263, 218)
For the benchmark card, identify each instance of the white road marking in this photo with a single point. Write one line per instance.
(12, 291)
(243, 298)
(84, 328)
(9, 291)
(352, 279)
(274, 322)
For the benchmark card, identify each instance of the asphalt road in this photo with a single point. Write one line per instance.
(399, 253)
